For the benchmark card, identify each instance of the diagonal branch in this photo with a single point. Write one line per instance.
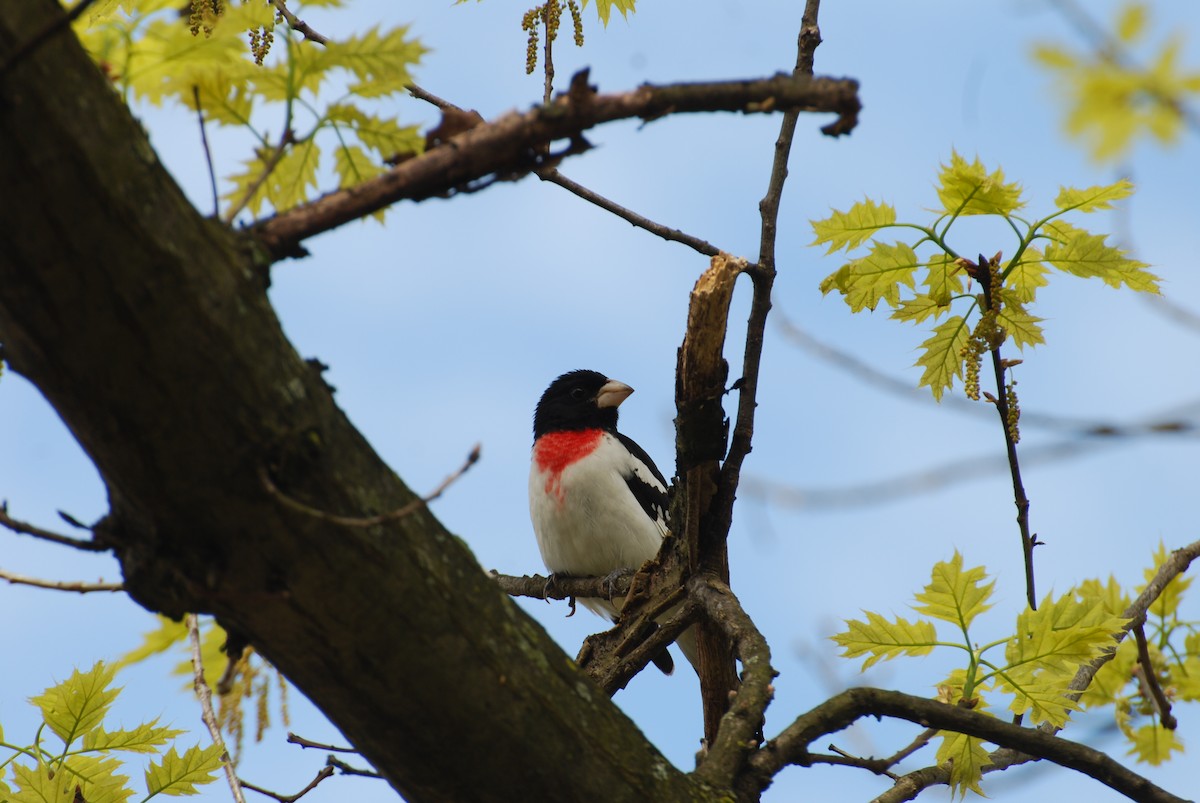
(26, 528)
(742, 724)
(791, 746)
(642, 222)
(517, 143)
(59, 585)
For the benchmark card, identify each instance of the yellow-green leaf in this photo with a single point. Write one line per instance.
(379, 60)
(604, 8)
(178, 774)
(1093, 199)
(1131, 22)
(381, 134)
(1112, 678)
(955, 595)
(967, 757)
(1021, 327)
(146, 738)
(166, 636)
(1167, 604)
(1153, 744)
(851, 229)
(969, 189)
(918, 308)
(78, 704)
(354, 166)
(881, 640)
(877, 277)
(1027, 276)
(941, 355)
(944, 278)
(97, 778)
(1087, 255)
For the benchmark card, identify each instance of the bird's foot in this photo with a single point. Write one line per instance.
(612, 578)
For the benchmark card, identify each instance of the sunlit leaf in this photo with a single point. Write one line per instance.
(851, 229)
(882, 639)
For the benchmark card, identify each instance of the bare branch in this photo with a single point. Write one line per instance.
(298, 25)
(368, 521)
(204, 694)
(346, 769)
(423, 94)
(791, 746)
(307, 743)
(667, 233)
(325, 772)
(208, 160)
(59, 585)
(1172, 421)
(563, 587)
(46, 535)
(517, 143)
(1148, 679)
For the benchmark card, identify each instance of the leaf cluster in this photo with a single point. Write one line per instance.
(1173, 649)
(247, 683)
(1110, 101)
(1032, 666)
(81, 761)
(923, 277)
(222, 63)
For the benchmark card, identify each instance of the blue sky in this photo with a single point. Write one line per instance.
(443, 327)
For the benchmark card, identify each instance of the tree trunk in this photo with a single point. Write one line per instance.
(149, 330)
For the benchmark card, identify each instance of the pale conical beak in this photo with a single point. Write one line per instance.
(612, 394)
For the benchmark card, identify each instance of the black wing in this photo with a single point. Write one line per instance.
(653, 499)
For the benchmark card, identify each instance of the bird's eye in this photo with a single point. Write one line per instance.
(578, 393)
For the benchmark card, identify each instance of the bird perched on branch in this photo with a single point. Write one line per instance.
(597, 501)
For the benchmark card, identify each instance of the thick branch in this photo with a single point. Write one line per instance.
(516, 143)
(791, 747)
(742, 724)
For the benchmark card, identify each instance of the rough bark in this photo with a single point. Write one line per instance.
(148, 328)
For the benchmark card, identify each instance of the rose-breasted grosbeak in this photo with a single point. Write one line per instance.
(597, 501)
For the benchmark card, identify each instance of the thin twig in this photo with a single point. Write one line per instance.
(46, 535)
(307, 743)
(862, 370)
(368, 521)
(1149, 679)
(422, 94)
(346, 769)
(879, 766)
(325, 772)
(77, 586)
(41, 37)
(667, 233)
(548, 66)
(298, 25)
(985, 273)
(206, 707)
(212, 174)
(923, 738)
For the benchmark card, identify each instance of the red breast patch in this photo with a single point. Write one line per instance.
(554, 451)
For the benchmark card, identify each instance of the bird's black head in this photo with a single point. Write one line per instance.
(579, 400)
